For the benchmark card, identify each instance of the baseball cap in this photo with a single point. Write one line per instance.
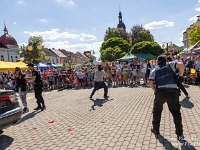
(30, 64)
(161, 58)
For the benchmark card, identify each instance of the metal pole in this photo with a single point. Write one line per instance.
(167, 47)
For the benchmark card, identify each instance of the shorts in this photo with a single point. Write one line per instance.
(138, 72)
(143, 74)
(134, 77)
(113, 75)
(51, 82)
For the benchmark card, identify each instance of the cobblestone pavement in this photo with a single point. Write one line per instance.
(121, 122)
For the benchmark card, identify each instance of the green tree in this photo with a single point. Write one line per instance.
(110, 54)
(139, 34)
(147, 47)
(114, 48)
(33, 52)
(194, 35)
(110, 33)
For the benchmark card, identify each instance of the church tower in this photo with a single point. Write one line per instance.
(121, 25)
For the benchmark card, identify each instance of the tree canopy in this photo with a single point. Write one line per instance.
(35, 55)
(113, 48)
(139, 34)
(194, 35)
(111, 32)
(147, 47)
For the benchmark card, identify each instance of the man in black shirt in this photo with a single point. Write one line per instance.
(37, 87)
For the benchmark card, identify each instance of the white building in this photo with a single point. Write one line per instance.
(54, 59)
(61, 56)
(9, 49)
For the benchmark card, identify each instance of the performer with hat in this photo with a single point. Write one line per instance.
(38, 85)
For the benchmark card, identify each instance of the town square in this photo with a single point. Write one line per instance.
(99, 75)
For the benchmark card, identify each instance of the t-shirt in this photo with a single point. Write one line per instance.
(38, 77)
(21, 82)
(98, 77)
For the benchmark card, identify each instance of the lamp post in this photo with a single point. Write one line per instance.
(197, 24)
(69, 59)
(35, 47)
(89, 54)
(167, 43)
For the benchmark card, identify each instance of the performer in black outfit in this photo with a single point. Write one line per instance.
(37, 87)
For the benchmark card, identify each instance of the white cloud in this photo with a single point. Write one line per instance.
(20, 2)
(53, 34)
(81, 47)
(197, 9)
(180, 39)
(43, 20)
(86, 37)
(14, 23)
(193, 18)
(70, 2)
(158, 25)
(67, 2)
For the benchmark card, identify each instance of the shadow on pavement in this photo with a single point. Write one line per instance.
(28, 116)
(99, 102)
(186, 103)
(5, 141)
(167, 144)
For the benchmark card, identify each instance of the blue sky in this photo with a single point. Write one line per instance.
(79, 25)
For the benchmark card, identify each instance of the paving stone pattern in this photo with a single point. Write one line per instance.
(121, 122)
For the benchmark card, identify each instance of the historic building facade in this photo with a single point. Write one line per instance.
(9, 49)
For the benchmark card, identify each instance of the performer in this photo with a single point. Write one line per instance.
(37, 87)
(98, 82)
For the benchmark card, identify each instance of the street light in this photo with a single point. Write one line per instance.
(163, 46)
(69, 59)
(197, 24)
(88, 54)
(35, 47)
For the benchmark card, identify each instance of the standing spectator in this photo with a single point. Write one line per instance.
(189, 64)
(144, 69)
(37, 87)
(21, 83)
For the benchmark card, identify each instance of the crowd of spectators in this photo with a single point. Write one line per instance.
(118, 73)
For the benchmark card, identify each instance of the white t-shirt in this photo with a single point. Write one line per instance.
(80, 75)
(144, 69)
(99, 76)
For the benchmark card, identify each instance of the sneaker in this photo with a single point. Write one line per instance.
(25, 110)
(43, 108)
(1, 132)
(37, 108)
(106, 96)
(154, 131)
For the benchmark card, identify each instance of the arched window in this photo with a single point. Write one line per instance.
(2, 58)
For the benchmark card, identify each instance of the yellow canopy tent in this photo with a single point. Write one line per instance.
(10, 66)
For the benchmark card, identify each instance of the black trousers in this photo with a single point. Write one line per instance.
(172, 99)
(38, 95)
(183, 90)
(96, 87)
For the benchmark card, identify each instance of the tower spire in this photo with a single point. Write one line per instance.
(5, 29)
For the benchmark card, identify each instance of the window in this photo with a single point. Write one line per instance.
(53, 60)
(16, 58)
(57, 60)
(2, 58)
(11, 58)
